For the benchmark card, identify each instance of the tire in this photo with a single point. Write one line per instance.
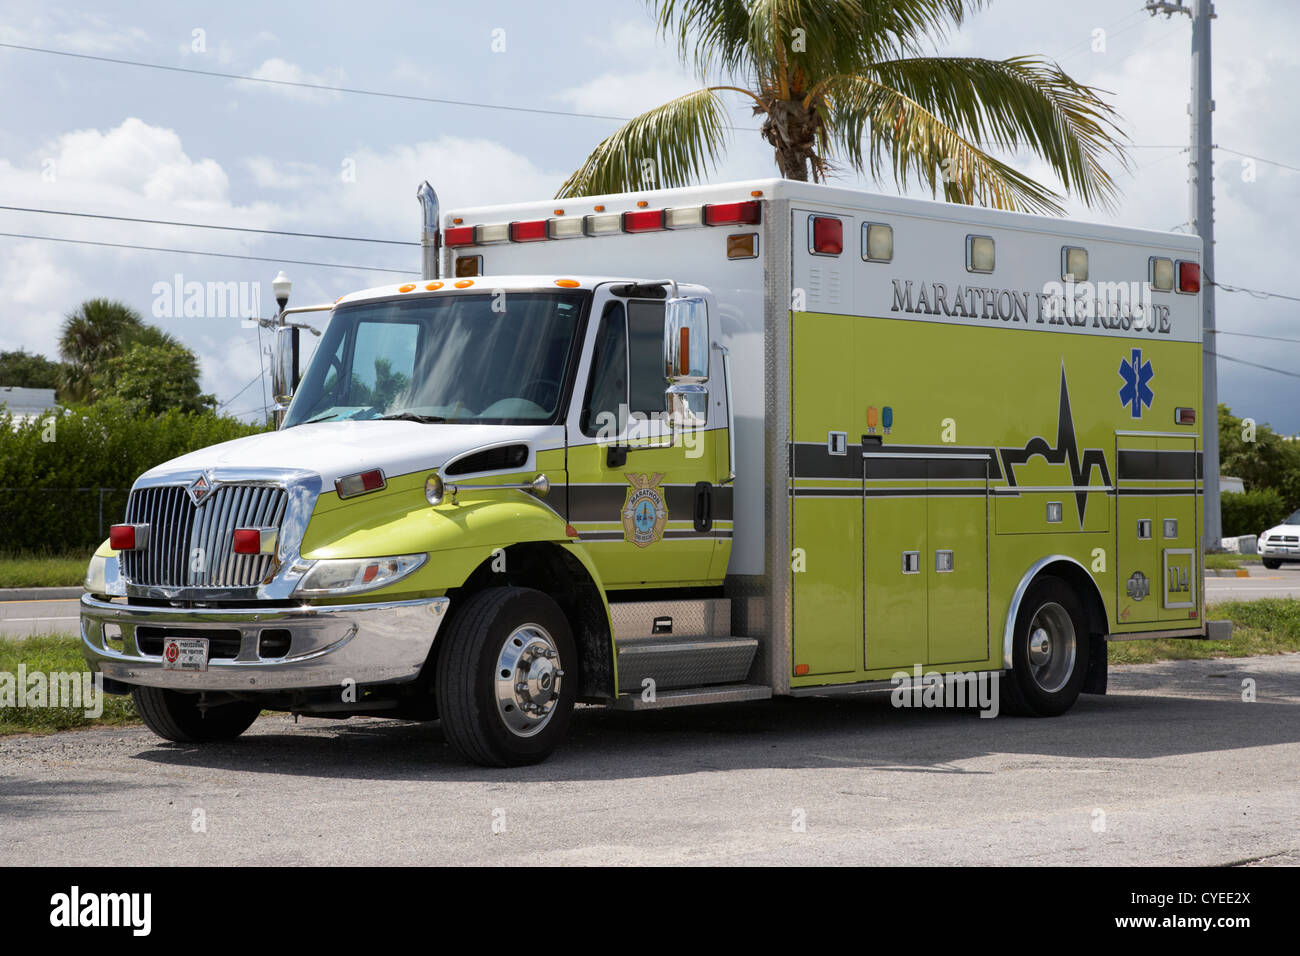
(176, 716)
(1049, 653)
(485, 654)
(1272, 565)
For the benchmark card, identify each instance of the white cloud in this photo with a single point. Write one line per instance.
(283, 72)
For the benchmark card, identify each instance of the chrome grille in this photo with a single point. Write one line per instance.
(192, 547)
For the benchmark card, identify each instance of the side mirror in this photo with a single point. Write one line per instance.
(686, 342)
(282, 366)
(686, 361)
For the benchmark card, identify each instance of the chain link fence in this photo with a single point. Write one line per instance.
(59, 519)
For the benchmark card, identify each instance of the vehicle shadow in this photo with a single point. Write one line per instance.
(861, 731)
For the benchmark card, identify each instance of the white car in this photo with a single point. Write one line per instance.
(1281, 543)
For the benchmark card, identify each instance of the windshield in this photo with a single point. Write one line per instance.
(490, 358)
(1294, 519)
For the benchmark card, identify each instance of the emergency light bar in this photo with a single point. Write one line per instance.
(746, 213)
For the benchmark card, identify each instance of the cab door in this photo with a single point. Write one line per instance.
(642, 497)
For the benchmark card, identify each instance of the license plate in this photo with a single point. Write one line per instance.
(185, 654)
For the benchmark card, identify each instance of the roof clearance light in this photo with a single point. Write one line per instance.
(360, 483)
(877, 242)
(1189, 277)
(650, 220)
(128, 537)
(1074, 264)
(567, 283)
(496, 232)
(1160, 273)
(748, 213)
(981, 254)
(468, 266)
(529, 231)
(569, 228)
(434, 286)
(409, 287)
(825, 236)
(464, 283)
(684, 217)
(464, 236)
(603, 225)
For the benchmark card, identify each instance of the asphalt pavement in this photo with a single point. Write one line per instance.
(1172, 767)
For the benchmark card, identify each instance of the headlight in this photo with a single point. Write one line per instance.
(350, 575)
(104, 576)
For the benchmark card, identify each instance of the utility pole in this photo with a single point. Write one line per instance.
(1201, 183)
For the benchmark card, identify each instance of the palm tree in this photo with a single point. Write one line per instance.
(99, 330)
(848, 81)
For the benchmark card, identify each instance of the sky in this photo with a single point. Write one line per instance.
(92, 136)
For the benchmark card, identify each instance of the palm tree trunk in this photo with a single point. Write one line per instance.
(792, 129)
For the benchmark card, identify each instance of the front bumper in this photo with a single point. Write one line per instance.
(363, 643)
(1280, 552)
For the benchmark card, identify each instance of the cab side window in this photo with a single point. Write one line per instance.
(607, 390)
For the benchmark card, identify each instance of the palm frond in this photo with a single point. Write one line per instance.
(671, 145)
(914, 142)
(1020, 103)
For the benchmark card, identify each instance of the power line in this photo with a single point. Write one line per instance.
(1266, 368)
(201, 225)
(1259, 159)
(1252, 335)
(219, 255)
(244, 389)
(1254, 293)
(325, 87)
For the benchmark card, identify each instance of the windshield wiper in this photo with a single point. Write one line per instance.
(412, 417)
(315, 420)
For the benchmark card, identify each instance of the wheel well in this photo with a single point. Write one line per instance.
(554, 571)
(1081, 582)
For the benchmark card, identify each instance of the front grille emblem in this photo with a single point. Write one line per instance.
(199, 489)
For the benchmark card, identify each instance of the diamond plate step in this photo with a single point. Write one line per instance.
(675, 662)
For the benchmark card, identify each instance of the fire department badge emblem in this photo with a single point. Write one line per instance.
(644, 510)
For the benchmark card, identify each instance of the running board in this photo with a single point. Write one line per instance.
(676, 662)
(692, 696)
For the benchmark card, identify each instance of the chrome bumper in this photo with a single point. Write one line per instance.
(364, 643)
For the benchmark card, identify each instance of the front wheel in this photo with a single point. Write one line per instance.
(503, 694)
(1272, 565)
(1050, 651)
(188, 718)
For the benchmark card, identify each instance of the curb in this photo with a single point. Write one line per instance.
(40, 594)
(1227, 572)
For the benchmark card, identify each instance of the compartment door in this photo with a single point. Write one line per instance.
(1137, 511)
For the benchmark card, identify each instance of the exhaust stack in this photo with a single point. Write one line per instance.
(429, 231)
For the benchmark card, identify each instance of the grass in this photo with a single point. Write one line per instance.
(1223, 562)
(50, 654)
(1266, 626)
(43, 570)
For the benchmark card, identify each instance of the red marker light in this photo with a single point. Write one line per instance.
(529, 231)
(748, 213)
(464, 236)
(248, 541)
(827, 236)
(121, 537)
(650, 220)
(363, 482)
(1189, 277)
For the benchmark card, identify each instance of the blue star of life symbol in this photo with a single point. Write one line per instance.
(1136, 391)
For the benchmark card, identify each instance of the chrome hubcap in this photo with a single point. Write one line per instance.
(528, 678)
(1052, 645)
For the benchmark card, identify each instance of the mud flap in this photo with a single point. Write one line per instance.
(1094, 682)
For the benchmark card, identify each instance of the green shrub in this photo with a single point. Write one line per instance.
(64, 480)
(1251, 512)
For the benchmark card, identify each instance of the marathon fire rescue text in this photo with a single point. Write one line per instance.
(684, 447)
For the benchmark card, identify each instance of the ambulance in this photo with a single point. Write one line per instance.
(682, 447)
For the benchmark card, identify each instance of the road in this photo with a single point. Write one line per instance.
(24, 618)
(1171, 768)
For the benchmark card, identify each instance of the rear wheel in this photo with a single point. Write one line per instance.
(186, 718)
(1049, 651)
(503, 694)
(1272, 565)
